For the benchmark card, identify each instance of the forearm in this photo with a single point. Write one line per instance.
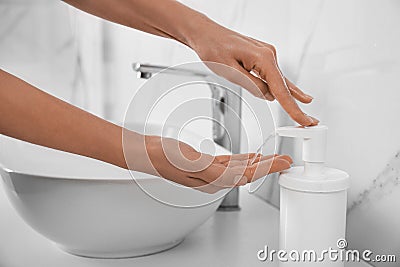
(167, 18)
(34, 116)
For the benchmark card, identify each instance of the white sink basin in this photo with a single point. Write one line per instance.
(90, 208)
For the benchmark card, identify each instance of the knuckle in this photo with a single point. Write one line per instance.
(273, 49)
(265, 53)
(269, 51)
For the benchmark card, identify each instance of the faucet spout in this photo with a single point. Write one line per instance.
(146, 71)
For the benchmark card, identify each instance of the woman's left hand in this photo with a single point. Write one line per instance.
(179, 162)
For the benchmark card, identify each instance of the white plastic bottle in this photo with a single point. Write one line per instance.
(313, 202)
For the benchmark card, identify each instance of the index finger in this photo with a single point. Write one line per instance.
(279, 89)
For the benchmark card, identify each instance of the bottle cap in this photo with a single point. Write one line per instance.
(313, 177)
(314, 140)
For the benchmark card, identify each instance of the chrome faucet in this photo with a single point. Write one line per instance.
(226, 115)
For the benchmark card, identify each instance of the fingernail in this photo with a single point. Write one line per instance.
(309, 120)
(315, 120)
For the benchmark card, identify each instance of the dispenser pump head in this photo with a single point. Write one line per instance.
(314, 141)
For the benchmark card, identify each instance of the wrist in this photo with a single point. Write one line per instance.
(200, 30)
(195, 28)
(127, 146)
(136, 150)
(191, 26)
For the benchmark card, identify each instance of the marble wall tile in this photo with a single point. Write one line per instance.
(36, 43)
(54, 47)
(352, 67)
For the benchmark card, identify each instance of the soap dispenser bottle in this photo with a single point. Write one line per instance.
(313, 203)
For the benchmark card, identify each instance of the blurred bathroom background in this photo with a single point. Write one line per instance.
(344, 53)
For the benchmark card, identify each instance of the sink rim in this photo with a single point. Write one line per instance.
(148, 177)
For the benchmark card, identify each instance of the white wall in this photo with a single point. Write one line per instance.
(54, 47)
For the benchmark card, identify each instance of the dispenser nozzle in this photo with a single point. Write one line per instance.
(314, 141)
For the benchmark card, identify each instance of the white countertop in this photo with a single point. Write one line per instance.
(227, 239)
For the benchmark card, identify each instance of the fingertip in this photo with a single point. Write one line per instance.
(239, 180)
(303, 98)
(279, 165)
(315, 121)
(308, 121)
(285, 157)
(307, 99)
(269, 97)
(284, 165)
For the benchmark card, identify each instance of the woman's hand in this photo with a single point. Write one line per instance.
(254, 59)
(213, 43)
(181, 163)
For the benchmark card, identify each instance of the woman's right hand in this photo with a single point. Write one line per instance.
(229, 54)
